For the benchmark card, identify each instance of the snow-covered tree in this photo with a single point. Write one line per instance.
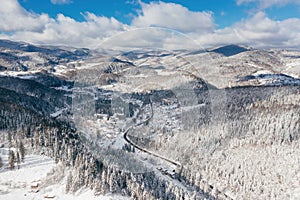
(69, 182)
(9, 138)
(18, 159)
(11, 159)
(22, 150)
(1, 162)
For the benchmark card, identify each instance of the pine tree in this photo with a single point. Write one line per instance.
(18, 160)
(98, 188)
(28, 132)
(112, 182)
(11, 159)
(9, 138)
(1, 162)
(90, 174)
(56, 152)
(103, 182)
(69, 182)
(22, 150)
(41, 140)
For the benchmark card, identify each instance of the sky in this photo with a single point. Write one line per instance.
(207, 23)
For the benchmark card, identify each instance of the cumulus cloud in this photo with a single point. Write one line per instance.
(61, 1)
(262, 4)
(63, 30)
(150, 38)
(15, 18)
(67, 31)
(173, 16)
(258, 31)
(19, 24)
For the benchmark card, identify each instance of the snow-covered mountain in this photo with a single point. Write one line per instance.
(19, 56)
(219, 123)
(226, 66)
(230, 50)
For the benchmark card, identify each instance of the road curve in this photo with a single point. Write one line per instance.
(125, 136)
(146, 151)
(221, 195)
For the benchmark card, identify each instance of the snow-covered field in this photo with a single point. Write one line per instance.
(32, 181)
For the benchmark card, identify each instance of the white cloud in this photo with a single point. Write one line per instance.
(61, 1)
(262, 4)
(19, 24)
(173, 16)
(15, 18)
(67, 31)
(147, 38)
(258, 31)
(91, 32)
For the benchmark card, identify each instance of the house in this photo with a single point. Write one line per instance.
(49, 196)
(34, 187)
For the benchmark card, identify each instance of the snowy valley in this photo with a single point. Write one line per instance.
(220, 123)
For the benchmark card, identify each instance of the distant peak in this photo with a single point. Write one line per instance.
(230, 50)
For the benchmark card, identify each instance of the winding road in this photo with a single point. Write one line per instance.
(127, 139)
(210, 188)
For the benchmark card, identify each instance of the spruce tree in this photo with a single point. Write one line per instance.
(18, 160)
(69, 182)
(9, 138)
(28, 132)
(11, 159)
(1, 162)
(22, 150)
(98, 188)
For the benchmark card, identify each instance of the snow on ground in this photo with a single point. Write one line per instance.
(20, 74)
(16, 184)
(57, 113)
(27, 182)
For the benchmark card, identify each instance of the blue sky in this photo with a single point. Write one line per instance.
(261, 23)
(226, 12)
